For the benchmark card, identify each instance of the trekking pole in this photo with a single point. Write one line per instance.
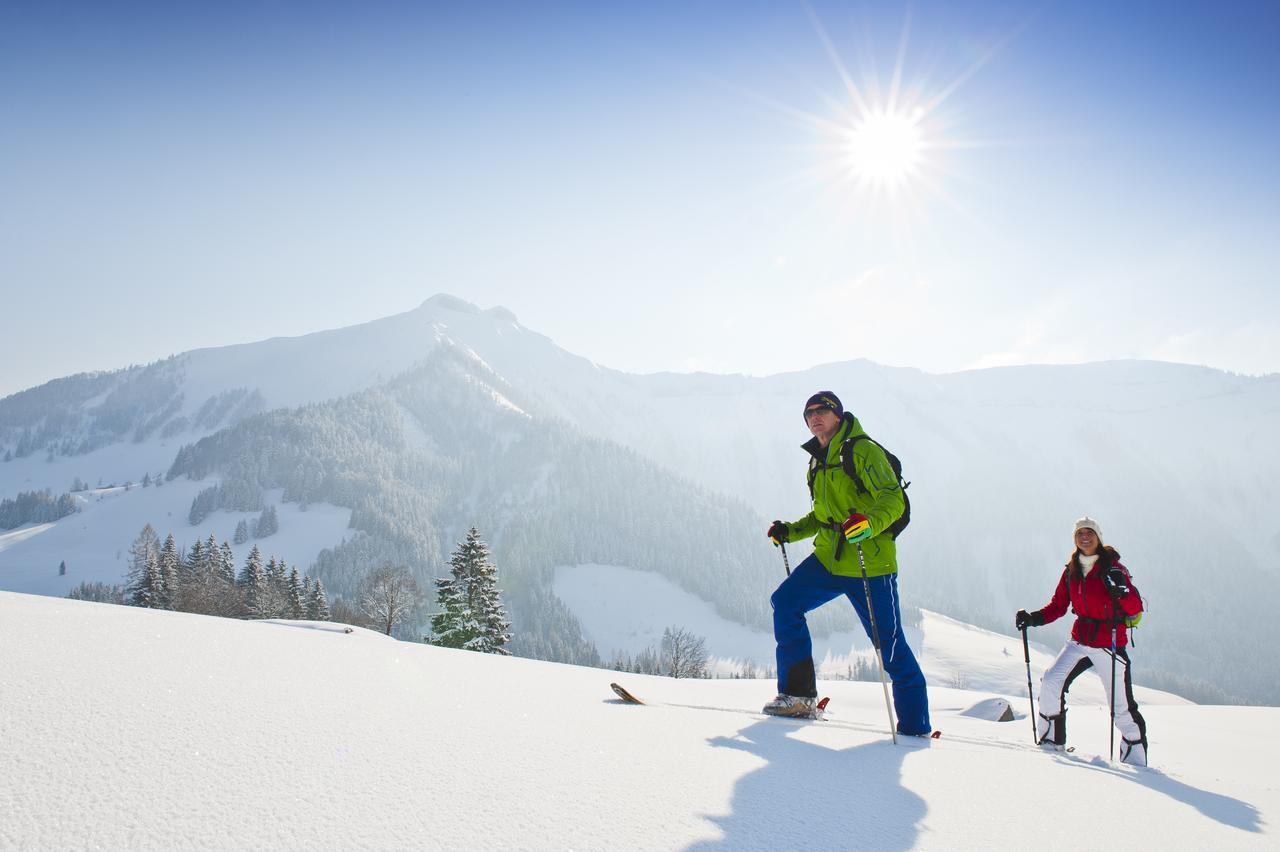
(1026, 655)
(1112, 752)
(785, 564)
(875, 640)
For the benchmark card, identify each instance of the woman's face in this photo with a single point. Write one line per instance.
(1087, 541)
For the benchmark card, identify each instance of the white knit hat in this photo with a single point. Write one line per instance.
(1088, 523)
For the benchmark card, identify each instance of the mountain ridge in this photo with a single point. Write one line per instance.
(1177, 461)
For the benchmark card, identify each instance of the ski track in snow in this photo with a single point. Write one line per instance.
(141, 729)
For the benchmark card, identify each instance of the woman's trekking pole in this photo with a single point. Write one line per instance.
(1112, 753)
(785, 564)
(875, 640)
(1026, 655)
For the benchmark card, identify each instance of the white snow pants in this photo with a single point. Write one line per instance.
(1073, 661)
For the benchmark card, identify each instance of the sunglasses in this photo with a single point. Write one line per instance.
(817, 409)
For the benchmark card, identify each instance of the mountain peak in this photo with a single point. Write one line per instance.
(449, 303)
(444, 301)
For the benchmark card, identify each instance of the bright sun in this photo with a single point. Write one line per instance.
(883, 148)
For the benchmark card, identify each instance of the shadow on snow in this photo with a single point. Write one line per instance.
(817, 796)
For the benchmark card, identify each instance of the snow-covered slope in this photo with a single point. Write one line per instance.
(94, 542)
(141, 729)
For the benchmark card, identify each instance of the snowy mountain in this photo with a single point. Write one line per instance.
(1176, 461)
(295, 734)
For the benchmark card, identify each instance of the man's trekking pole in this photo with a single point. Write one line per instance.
(875, 640)
(1026, 655)
(785, 563)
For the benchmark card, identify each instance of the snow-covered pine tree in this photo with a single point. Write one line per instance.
(170, 572)
(156, 595)
(296, 599)
(268, 523)
(227, 564)
(318, 603)
(242, 532)
(471, 613)
(253, 583)
(193, 563)
(273, 602)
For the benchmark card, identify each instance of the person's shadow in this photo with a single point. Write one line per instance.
(1224, 809)
(812, 795)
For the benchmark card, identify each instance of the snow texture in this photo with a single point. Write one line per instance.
(143, 729)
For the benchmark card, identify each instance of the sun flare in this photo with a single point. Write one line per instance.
(884, 148)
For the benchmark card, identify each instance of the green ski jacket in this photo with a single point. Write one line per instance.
(835, 496)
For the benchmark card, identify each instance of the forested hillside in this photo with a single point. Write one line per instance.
(448, 446)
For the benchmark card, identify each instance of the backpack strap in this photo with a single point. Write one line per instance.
(846, 459)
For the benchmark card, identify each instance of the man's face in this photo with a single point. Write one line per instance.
(822, 422)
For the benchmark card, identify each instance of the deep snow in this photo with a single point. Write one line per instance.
(129, 728)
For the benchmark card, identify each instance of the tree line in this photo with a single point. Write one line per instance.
(39, 507)
(204, 579)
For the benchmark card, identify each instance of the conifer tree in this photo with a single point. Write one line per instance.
(170, 573)
(253, 582)
(268, 523)
(471, 613)
(212, 556)
(296, 600)
(194, 562)
(226, 565)
(242, 532)
(318, 603)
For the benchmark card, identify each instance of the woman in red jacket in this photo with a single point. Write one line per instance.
(1102, 596)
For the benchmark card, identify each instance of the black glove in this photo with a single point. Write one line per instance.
(779, 532)
(1116, 582)
(1024, 619)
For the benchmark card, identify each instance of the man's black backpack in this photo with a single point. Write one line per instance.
(846, 463)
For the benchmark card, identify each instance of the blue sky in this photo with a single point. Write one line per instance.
(654, 186)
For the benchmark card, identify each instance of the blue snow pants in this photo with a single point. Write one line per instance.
(809, 587)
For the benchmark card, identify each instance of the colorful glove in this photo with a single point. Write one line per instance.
(779, 533)
(1116, 582)
(1026, 619)
(856, 528)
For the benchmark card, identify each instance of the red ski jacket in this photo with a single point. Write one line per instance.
(1094, 609)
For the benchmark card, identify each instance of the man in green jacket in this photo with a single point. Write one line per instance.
(851, 518)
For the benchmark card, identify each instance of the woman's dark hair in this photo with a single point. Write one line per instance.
(1107, 556)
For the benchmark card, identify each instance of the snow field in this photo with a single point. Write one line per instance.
(143, 729)
(95, 541)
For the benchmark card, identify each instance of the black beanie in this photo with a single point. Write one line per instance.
(828, 399)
